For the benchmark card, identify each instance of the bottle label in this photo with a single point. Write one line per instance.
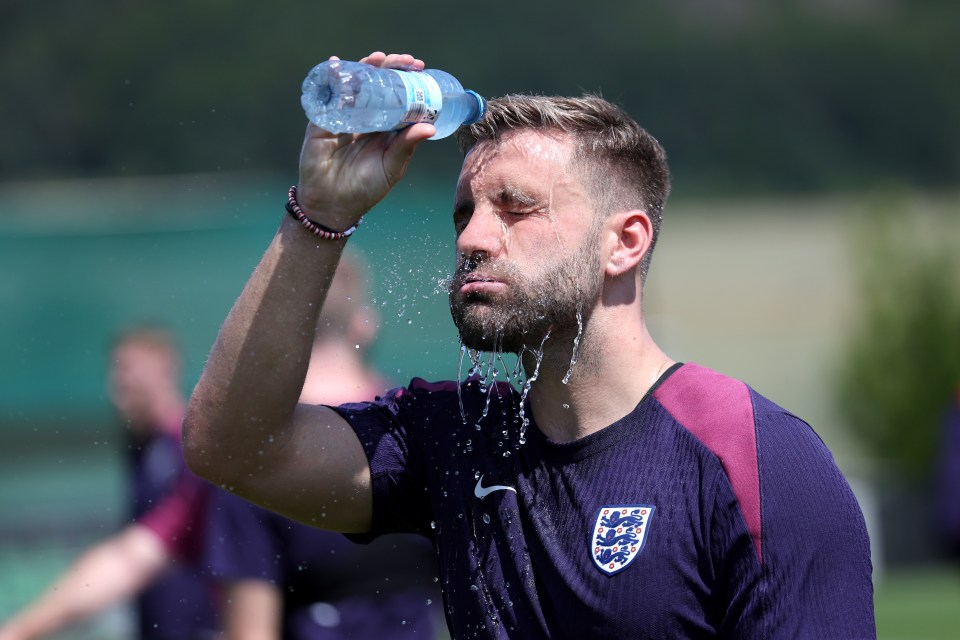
(424, 98)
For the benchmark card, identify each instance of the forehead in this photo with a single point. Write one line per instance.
(520, 158)
(141, 351)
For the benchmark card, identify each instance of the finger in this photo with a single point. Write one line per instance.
(376, 58)
(393, 61)
(402, 61)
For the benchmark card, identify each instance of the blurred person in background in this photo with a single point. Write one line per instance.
(283, 579)
(155, 556)
(947, 514)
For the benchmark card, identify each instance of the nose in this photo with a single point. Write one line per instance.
(482, 235)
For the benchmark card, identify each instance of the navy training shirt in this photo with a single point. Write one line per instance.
(707, 512)
(180, 604)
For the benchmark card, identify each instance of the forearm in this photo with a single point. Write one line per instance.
(242, 430)
(239, 411)
(103, 575)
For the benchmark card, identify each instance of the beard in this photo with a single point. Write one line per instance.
(553, 302)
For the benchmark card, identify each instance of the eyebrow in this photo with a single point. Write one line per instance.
(505, 197)
(509, 195)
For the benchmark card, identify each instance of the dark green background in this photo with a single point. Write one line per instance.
(746, 95)
(178, 252)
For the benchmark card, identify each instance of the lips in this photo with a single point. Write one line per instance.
(474, 283)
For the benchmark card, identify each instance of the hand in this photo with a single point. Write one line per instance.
(344, 176)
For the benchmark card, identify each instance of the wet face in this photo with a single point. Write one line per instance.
(527, 245)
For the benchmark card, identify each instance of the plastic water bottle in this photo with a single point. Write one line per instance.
(350, 97)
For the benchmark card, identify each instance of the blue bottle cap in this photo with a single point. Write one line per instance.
(481, 103)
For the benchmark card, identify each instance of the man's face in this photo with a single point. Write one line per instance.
(139, 377)
(527, 244)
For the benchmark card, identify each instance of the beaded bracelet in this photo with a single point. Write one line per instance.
(317, 229)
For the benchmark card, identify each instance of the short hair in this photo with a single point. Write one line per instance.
(153, 336)
(625, 166)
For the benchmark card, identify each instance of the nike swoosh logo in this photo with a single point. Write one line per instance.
(482, 492)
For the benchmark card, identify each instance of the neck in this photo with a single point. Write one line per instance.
(166, 413)
(616, 365)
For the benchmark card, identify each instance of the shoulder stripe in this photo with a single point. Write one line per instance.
(718, 411)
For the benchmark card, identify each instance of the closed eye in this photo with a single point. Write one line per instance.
(461, 216)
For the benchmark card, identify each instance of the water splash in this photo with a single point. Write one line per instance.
(488, 375)
(486, 369)
(576, 344)
(463, 351)
(524, 419)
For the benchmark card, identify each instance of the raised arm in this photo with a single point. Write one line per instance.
(244, 429)
(253, 610)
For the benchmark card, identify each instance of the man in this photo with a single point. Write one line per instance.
(619, 494)
(282, 579)
(153, 557)
(946, 514)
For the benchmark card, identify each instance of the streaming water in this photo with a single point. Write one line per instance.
(524, 420)
(487, 367)
(463, 351)
(576, 344)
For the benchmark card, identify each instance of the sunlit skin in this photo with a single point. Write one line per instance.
(527, 248)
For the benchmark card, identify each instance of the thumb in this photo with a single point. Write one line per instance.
(397, 155)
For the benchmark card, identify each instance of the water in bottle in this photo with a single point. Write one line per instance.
(351, 97)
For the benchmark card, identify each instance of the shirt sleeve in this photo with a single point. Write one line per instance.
(240, 542)
(387, 429)
(814, 580)
(178, 519)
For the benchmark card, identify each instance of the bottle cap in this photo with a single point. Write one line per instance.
(481, 107)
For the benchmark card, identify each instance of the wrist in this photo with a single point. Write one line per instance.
(315, 227)
(318, 208)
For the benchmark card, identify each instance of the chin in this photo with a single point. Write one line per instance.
(487, 329)
(491, 343)
(480, 327)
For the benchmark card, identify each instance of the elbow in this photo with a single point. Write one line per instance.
(199, 451)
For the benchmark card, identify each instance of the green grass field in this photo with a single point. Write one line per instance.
(919, 604)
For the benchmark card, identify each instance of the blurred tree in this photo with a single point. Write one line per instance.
(901, 364)
(753, 96)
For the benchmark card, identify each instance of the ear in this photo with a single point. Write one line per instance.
(630, 233)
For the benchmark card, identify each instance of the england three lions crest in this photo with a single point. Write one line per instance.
(618, 536)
